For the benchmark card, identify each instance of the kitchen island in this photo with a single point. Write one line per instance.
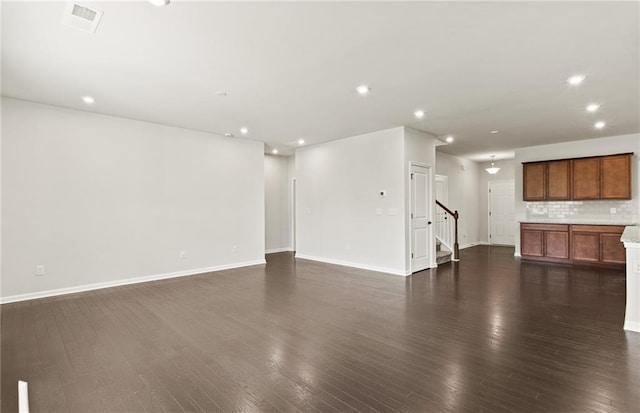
(631, 240)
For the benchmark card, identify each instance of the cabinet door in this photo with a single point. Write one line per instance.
(611, 249)
(531, 243)
(585, 178)
(585, 246)
(559, 180)
(556, 244)
(534, 181)
(616, 177)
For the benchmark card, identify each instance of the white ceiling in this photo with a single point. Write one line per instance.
(290, 69)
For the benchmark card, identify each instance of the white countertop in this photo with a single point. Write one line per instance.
(631, 235)
(577, 221)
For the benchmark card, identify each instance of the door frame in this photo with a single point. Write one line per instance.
(293, 214)
(498, 181)
(445, 179)
(430, 203)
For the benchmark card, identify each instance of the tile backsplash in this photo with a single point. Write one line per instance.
(624, 210)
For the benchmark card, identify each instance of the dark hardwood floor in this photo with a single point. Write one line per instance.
(489, 334)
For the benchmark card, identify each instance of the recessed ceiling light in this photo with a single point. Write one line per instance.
(576, 80)
(599, 125)
(300, 141)
(495, 131)
(275, 151)
(88, 100)
(228, 135)
(220, 93)
(363, 90)
(593, 107)
(419, 113)
(449, 139)
(244, 131)
(159, 3)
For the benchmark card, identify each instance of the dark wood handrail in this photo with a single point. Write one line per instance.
(454, 214)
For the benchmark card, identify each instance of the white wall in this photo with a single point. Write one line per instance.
(277, 181)
(420, 148)
(506, 173)
(338, 186)
(576, 149)
(100, 199)
(464, 194)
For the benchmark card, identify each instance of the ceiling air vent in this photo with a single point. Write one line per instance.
(81, 17)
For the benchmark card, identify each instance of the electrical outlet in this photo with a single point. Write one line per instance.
(234, 249)
(182, 254)
(636, 267)
(39, 269)
(612, 211)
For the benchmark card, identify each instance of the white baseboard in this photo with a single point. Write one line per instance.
(469, 245)
(353, 265)
(276, 250)
(516, 254)
(632, 326)
(126, 281)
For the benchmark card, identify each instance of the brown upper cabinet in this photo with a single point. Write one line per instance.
(559, 180)
(615, 182)
(586, 178)
(535, 181)
(601, 177)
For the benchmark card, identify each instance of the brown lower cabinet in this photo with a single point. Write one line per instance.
(579, 244)
(598, 244)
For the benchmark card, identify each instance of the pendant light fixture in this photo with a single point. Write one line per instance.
(494, 169)
(159, 3)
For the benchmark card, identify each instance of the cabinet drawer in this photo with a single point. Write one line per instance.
(545, 227)
(610, 229)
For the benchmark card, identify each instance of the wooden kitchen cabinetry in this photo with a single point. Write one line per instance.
(597, 244)
(615, 177)
(559, 180)
(599, 177)
(586, 178)
(579, 244)
(545, 241)
(535, 181)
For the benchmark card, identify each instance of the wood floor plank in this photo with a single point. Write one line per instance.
(487, 334)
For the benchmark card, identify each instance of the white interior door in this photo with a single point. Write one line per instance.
(420, 215)
(502, 221)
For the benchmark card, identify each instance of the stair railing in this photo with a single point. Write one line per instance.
(447, 228)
